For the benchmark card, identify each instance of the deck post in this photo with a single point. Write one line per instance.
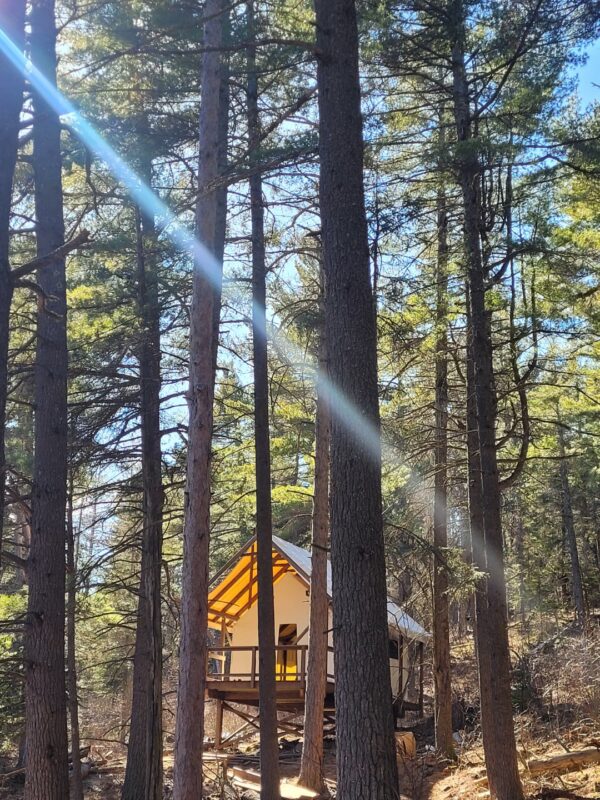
(303, 665)
(223, 644)
(253, 668)
(401, 673)
(421, 648)
(218, 723)
(400, 665)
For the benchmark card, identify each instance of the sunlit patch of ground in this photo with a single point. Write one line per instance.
(469, 782)
(556, 689)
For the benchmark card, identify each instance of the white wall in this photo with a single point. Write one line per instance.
(290, 595)
(395, 667)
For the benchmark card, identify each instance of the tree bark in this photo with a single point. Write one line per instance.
(144, 771)
(12, 21)
(366, 757)
(478, 554)
(269, 744)
(311, 766)
(204, 331)
(76, 776)
(498, 730)
(45, 698)
(569, 529)
(221, 193)
(441, 623)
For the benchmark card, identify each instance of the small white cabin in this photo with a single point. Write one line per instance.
(233, 611)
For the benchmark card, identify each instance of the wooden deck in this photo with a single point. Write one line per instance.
(289, 694)
(243, 687)
(231, 690)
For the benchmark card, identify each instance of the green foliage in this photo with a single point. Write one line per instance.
(133, 67)
(12, 615)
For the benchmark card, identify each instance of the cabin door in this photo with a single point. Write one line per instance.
(287, 655)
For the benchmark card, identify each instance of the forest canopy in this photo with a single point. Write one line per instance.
(329, 272)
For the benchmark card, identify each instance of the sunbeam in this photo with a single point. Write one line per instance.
(138, 190)
(348, 414)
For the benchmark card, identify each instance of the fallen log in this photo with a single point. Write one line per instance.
(108, 769)
(246, 774)
(563, 762)
(562, 794)
(4, 776)
(566, 762)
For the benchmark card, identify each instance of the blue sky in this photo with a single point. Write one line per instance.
(589, 74)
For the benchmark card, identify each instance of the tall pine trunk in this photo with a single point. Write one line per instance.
(569, 528)
(476, 533)
(269, 744)
(12, 21)
(76, 776)
(204, 331)
(441, 620)
(496, 705)
(144, 772)
(45, 697)
(366, 755)
(311, 767)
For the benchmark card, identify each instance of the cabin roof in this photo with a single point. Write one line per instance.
(235, 588)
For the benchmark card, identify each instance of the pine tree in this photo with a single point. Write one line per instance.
(12, 22)
(45, 691)
(189, 742)
(366, 755)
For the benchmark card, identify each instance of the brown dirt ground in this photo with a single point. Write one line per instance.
(564, 680)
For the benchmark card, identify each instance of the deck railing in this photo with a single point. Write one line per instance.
(290, 663)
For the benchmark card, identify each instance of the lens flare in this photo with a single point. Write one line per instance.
(346, 412)
(137, 189)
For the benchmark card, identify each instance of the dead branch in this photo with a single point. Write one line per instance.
(83, 237)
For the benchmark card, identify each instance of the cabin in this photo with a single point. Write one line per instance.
(233, 673)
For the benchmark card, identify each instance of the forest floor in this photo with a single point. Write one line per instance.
(556, 691)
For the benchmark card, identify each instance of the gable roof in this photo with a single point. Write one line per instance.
(237, 591)
(397, 617)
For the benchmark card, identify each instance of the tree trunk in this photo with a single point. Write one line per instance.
(311, 767)
(476, 530)
(366, 755)
(204, 330)
(144, 772)
(221, 193)
(12, 21)
(499, 743)
(441, 625)
(76, 777)
(45, 698)
(269, 744)
(569, 529)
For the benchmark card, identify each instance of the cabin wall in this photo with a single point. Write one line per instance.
(291, 600)
(395, 667)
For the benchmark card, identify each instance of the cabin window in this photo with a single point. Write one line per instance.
(287, 655)
(394, 649)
